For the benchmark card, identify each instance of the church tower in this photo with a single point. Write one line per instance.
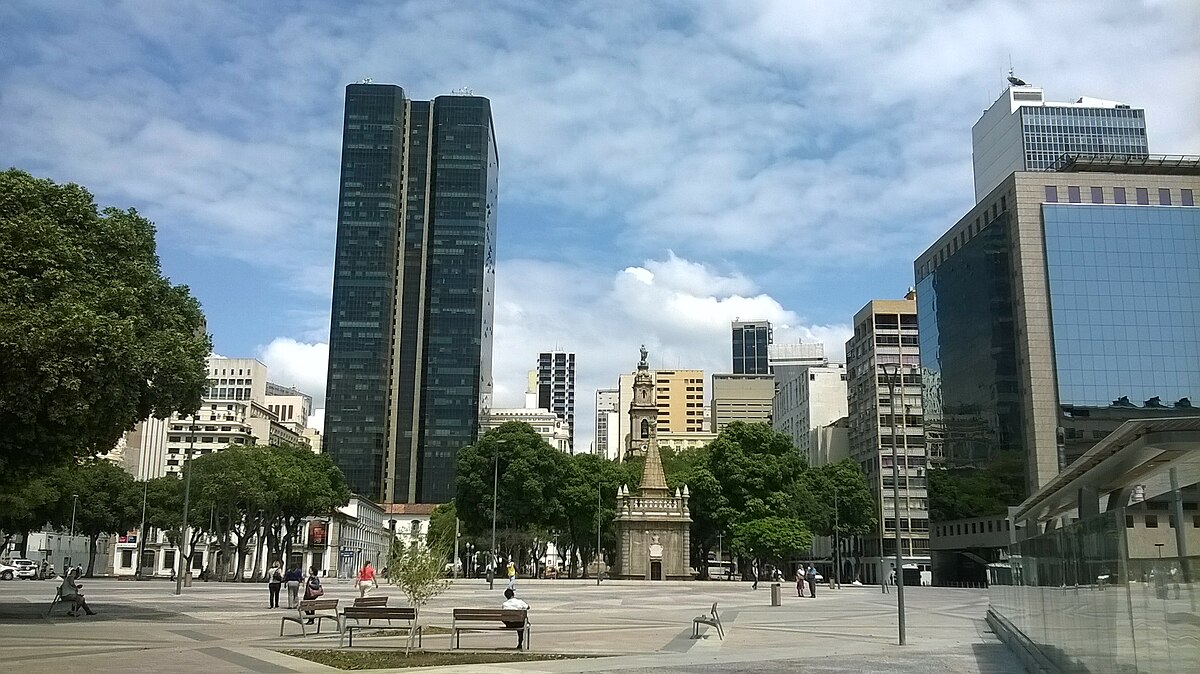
(643, 410)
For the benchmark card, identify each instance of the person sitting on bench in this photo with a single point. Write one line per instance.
(70, 592)
(511, 602)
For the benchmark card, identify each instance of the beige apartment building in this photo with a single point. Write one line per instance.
(679, 397)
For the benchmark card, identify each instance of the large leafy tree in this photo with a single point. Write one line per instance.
(589, 495)
(107, 496)
(25, 507)
(93, 338)
(772, 539)
(528, 501)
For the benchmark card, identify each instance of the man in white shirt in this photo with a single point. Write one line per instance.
(511, 602)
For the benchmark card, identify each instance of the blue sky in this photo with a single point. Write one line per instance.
(665, 167)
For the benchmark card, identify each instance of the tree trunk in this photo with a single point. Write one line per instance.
(23, 548)
(92, 554)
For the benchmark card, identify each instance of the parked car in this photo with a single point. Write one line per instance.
(7, 572)
(26, 568)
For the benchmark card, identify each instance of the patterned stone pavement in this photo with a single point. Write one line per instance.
(646, 627)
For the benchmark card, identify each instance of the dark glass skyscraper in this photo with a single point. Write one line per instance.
(410, 341)
(750, 342)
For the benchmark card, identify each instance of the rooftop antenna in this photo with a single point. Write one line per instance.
(1013, 80)
(366, 80)
(462, 91)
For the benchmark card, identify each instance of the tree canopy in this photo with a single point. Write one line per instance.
(93, 338)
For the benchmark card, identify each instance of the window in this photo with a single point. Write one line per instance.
(1164, 196)
(1051, 194)
(1151, 521)
(1185, 198)
(1143, 196)
(1097, 195)
(1118, 195)
(1073, 194)
(168, 559)
(1129, 521)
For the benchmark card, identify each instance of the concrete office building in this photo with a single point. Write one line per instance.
(882, 418)
(751, 344)
(742, 397)
(556, 388)
(1064, 303)
(1022, 131)
(810, 392)
(410, 342)
(608, 439)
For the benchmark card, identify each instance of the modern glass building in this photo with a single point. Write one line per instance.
(1022, 131)
(1063, 305)
(750, 342)
(414, 276)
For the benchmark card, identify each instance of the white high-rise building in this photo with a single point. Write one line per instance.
(1022, 131)
(556, 387)
(608, 411)
(810, 393)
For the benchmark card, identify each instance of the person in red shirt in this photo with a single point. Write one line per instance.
(366, 580)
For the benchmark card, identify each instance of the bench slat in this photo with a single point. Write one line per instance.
(379, 613)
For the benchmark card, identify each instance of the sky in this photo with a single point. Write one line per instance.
(665, 168)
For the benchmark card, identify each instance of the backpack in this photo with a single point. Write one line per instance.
(276, 577)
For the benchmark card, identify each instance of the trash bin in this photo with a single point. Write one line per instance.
(776, 595)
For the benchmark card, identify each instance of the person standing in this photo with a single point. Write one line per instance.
(293, 578)
(811, 575)
(511, 602)
(312, 588)
(512, 575)
(366, 580)
(754, 575)
(800, 581)
(274, 582)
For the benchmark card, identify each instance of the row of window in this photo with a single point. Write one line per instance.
(962, 528)
(1141, 196)
(1152, 521)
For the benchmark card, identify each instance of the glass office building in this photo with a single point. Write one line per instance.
(414, 276)
(1063, 305)
(751, 340)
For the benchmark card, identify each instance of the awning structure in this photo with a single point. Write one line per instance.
(1155, 164)
(1138, 453)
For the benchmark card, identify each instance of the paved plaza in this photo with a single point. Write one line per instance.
(645, 627)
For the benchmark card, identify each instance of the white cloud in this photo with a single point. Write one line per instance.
(298, 364)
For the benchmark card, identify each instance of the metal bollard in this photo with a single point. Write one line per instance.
(776, 595)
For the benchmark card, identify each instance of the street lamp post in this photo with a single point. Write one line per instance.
(187, 492)
(892, 371)
(495, 486)
(141, 549)
(837, 547)
(599, 554)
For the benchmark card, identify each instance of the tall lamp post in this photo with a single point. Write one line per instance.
(599, 554)
(187, 492)
(837, 547)
(495, 486)
(141, 549)
(892, 372)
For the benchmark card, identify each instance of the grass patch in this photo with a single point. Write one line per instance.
(397, 659)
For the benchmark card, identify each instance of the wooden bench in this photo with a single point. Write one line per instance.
(710, 618)
(371, 602)
(369, 613)
(502, 615)
(316, 606)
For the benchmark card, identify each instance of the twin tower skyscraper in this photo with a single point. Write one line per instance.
(410, 340)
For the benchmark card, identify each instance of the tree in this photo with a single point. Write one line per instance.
(691, 467)
(530, 475)
(772, 539)
(26, 507)
(583, 511)
(420, 573)
(93, 338)
(844, 485)
(106, 501)
(441, 524)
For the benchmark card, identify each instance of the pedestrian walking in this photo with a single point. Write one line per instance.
(511, 570)
(366, 580)
(811, 576)
(754, 576)
(274, 582)
(293, 578)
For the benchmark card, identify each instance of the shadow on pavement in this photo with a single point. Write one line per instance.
(21, 613)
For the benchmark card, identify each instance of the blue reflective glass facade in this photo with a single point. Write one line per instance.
(750, 342)
(1124, 287)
